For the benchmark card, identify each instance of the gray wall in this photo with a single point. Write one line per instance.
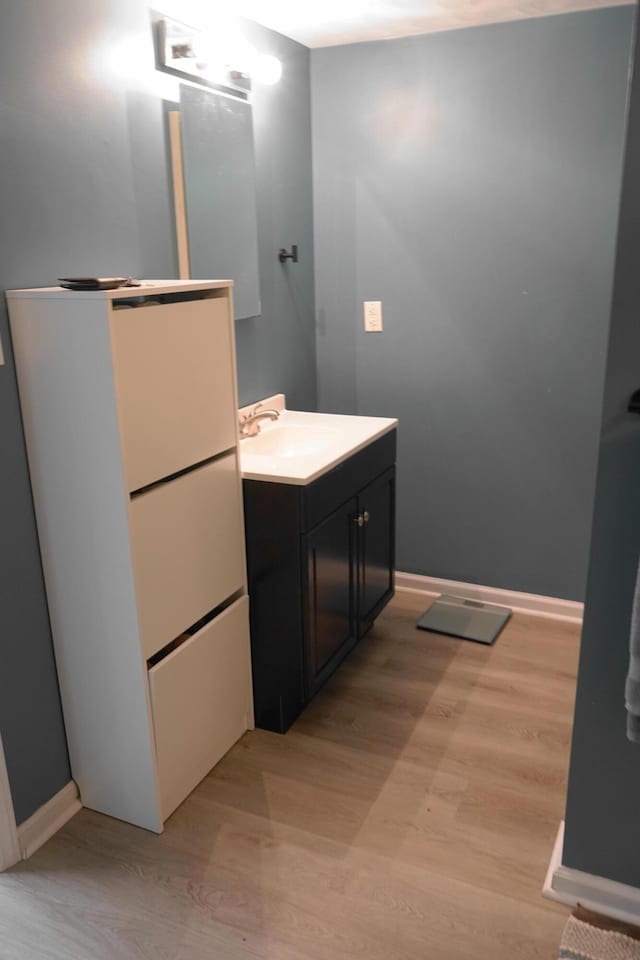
(602, 833)
(85, 189)
(280, 355)
(470, 181)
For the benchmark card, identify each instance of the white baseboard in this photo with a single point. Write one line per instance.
(577, 888)
(48, 819)
(568, 610)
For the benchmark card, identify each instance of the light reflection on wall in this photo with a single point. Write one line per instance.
(404, 120)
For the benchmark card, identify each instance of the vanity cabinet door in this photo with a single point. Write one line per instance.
(330, 593)
(376, 506)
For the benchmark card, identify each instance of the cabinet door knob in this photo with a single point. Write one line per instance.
(366, 516)
(359, 520)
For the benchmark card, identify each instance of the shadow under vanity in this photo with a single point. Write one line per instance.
(320, 556)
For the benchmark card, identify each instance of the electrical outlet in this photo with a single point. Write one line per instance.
(373, 316)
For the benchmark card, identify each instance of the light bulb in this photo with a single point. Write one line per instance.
(267, 69)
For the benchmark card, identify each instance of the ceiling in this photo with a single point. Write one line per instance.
(324, 23)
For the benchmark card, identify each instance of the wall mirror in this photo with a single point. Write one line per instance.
(215, 193)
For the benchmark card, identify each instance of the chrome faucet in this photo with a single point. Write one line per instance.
(249, 422)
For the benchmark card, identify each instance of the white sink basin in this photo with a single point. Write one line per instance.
(289, 440)
(298, 447)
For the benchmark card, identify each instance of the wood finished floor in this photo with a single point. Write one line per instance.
(408, 815)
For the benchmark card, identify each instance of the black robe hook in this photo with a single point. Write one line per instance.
(283, 256)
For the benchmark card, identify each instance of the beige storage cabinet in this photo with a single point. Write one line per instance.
(129, 404)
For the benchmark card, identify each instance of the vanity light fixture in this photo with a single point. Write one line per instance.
(225, 63)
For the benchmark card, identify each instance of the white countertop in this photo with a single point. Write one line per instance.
(299, 447)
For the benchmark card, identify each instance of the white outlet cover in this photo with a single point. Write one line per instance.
(373, 316)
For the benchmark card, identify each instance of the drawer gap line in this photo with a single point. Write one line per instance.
(160, 299)
(180, 473)
(193, 629)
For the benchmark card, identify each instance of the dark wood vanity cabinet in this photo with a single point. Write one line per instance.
(321, 568)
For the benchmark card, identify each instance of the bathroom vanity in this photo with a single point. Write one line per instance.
(129, 404)
(319, 500)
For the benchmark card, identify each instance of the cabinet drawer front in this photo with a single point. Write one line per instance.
(326, 493)
(188, 550)
(201, 703)
(174, 386)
